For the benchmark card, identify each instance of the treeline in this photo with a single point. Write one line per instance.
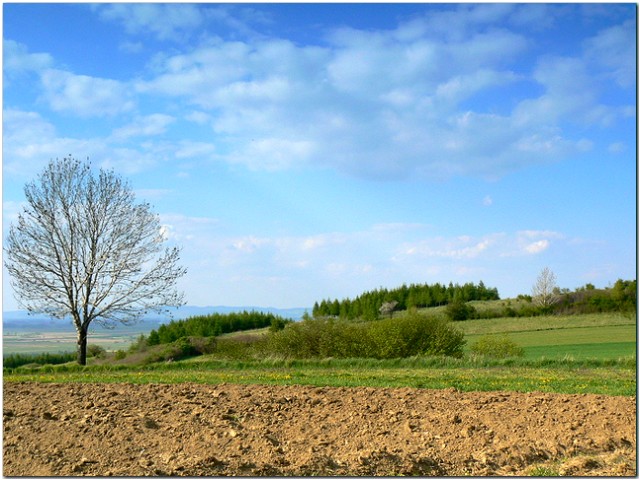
(213, 325)
(15, 360)
(367, 305)
(622, 297)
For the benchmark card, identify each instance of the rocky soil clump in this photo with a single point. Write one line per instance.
(255, 430)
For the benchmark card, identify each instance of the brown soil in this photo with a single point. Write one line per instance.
(214, 430)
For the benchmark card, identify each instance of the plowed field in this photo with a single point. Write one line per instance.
(213, 430)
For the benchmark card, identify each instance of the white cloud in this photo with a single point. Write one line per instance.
(17, 59)
(148, 125)
(537, 247)
(614, 49)
(166, 21)
(84, 95)
(384, 104)
(533, 242)
(462, 247)
(274, 153)
(30, 141)
(198, 117)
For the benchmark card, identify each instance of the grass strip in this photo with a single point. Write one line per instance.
(554, 379)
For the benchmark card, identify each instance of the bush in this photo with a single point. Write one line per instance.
(182, 348)
(400, 337)
(458, 311)
(140, 345)
(203, 345)
(497, 346)
(120, 354)
(96, 351)
(278, 323)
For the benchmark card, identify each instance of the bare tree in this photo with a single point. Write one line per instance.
(543, 291)
(82, 247)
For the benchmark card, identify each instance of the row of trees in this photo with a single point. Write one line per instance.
(214, 325)
(621, 297)
(369, 304)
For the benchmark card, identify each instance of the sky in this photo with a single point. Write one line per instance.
(297, 152)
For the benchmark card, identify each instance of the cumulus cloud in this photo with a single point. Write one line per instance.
(409, 101)
(18, 59)
(148, 125)
(85, 96)
(166, 21)
(387, 103)
(30, 141)
(537, 247)
(614, 48)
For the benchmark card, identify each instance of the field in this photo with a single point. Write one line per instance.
(566, 408)
(63, 338)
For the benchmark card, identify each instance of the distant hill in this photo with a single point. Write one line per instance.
(21, 320)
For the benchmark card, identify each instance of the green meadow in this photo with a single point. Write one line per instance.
(598, 336)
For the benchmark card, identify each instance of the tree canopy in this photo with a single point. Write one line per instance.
(84, 248)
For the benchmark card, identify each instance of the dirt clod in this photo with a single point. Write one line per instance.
(254, 430)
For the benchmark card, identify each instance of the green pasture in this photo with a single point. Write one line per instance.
(603, 336)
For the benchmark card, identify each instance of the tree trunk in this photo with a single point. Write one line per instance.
(82, 346)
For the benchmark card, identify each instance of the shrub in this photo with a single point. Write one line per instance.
(176, 350)
(120, 354)
(140, 345)
(237, 348)
(181, 348)
(96, 351)
(278, 323)
(496, 346)
(406, 336)
(203, 345)
(458, 311)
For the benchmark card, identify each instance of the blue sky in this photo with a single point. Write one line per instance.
(298, 152)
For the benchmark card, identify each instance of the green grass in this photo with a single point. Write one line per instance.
(604, 336)
(544, 323)
(560, 376)
(583, 351)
